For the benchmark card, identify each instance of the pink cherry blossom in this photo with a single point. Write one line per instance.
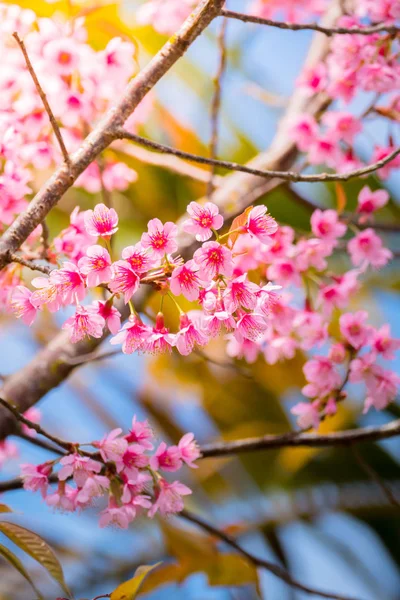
(369, 201)
(313, 79)
(184, 280)
(94, 486)
(85, 322)
(47, 294)
(169, 498)
(354, 329)
(132, 336)
(383, 343)
(102, 221)
(140, 433)
(203, 219)
(32, 414)
(112, 446)
(303, 130)
(120, 516)
(366, 249)
(213, 259)
(140, 259)
(160, 339)
(22, 306)
(167, 458)
(110, 314)
(189, 450)
(124, 279)
(133, 459)
(325, 224)
(240, 292)
(342, 125)
(322, 377)
(161, 238)
(69, 283)
(96, 265)
(251, 326)
(79, 467)
(242, 348)
(188, 336)
(36, 478)
(261, 225)
(308, 415)
(63, 55)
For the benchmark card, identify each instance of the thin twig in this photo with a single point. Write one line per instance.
(92, 357)
(367, 30)
(295, 439)
(366, 467)
(46, 104)
(216, 102)
(256, 561)
(40, 443)
(30, 264)
(268, 174)
(45, 239)
(68, 446)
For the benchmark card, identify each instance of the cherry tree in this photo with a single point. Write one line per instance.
(226, 270)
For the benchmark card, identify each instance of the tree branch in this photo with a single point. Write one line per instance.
(295, 439)
(329, 31)
(43, 98)
(30, 264)
(104, 133)
(259, 562)
(266, 173)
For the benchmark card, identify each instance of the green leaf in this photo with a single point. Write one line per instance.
(37, 548)
(130, 589)
(17, 564)
(5, 509)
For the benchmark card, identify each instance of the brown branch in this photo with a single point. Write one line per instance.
(266, 173)
(21, 419)
(259, 562)
(374, 476)
(30, 264)
(43, 98)
(45, 239)
(329, 31)
(294, 439)
(105, 132)
(40, 443)
(216, 101)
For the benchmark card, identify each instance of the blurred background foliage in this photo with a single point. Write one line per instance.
(315, 511)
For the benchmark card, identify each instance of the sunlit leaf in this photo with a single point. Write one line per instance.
(130, 589)
(237, 223)
(341, 199)
(37, 548)
(5, 509)
(17, 564)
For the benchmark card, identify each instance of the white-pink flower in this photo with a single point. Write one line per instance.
(102, 221)
(36, 477)
(132, 336)
(307, 414)
(213, 259)
(124, 279)
(79, 467)
(112, 446)
(185, 280)
(188, 336)
(96, 265)
(366, 248)
(161, 238)
(22, 306)
(189, 450)
(120, 516)
(169, 498)
(354, 329)
(85, 322)
(203, 219)
(325, 224)
(240, 292)
(369, 201)
(260, 224)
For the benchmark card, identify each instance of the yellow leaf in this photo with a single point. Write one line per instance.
(37, 548)
(130, 589)
(5, 509)
(237, 223)
(341, 199)
(17, 564)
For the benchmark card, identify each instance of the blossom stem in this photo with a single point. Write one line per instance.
(181, 312)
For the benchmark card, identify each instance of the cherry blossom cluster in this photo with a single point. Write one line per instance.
(127, 470)
(80, 85)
